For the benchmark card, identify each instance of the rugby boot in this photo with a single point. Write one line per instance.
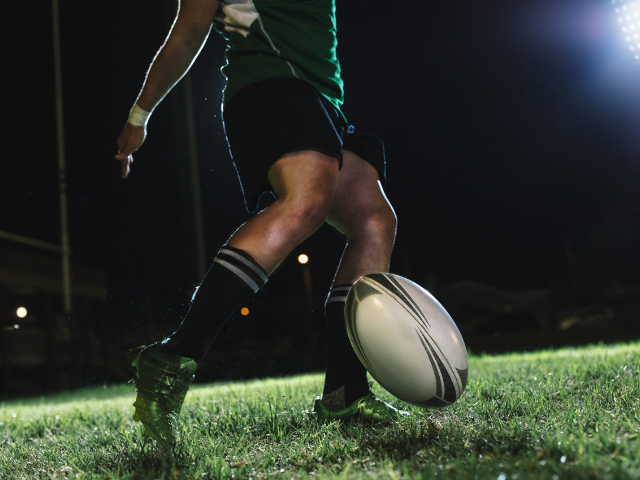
(161, 383)
(368, 408)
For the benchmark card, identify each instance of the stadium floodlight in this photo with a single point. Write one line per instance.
(628, 13)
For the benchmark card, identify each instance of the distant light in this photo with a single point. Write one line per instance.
(21, 312)
(244, 311)
(628, 20)
(303, 258)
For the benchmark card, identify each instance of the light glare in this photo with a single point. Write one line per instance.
(21, 312)
(303, 258)
(627, 16)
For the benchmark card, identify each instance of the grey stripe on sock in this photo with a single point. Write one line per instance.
(246, 262)
(336, 299)
(338, 289)
(243, 276)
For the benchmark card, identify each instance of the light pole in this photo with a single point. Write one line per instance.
(194, 176)
(62, 172)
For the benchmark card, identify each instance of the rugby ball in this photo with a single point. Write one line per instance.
(406, 340)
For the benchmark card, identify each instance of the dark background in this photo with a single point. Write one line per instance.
(513, 151)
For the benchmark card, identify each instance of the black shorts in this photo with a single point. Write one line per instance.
(274, 117)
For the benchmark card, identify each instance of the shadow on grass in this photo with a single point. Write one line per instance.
(155, 461)
(391, 440)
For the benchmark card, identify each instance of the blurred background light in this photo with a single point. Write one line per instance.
(244, 311)
(629, 19)
(21, 312)
(303, 259)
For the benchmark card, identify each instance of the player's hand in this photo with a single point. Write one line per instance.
(130, 140)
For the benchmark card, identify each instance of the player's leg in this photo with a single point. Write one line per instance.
(362, 212)
(305, 184)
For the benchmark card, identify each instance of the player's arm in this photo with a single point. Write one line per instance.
(185, 40)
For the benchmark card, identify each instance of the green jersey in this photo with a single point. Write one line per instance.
(280, 38)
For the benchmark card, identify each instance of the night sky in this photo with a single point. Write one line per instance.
(511, 130)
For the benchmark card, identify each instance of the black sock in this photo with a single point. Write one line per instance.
(233, 277)
(344, 369)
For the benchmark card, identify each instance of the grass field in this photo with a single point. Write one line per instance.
(570, 413)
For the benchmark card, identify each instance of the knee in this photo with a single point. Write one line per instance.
(307, 214)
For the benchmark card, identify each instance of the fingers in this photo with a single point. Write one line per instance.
(130, 140)
(125, 161)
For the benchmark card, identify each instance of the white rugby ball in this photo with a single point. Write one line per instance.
(406, 340)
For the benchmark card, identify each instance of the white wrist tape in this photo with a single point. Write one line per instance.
(138, 116)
